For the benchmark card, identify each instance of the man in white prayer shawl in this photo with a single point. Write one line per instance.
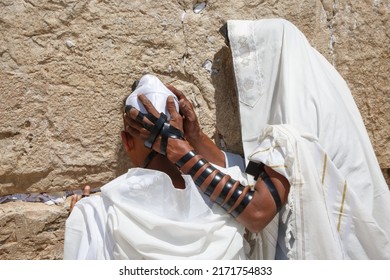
(305, 124)
(153, 212)
(328, 198)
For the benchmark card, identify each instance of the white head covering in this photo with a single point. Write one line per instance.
(155, 91)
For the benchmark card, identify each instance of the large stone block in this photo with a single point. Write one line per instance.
(30, 231)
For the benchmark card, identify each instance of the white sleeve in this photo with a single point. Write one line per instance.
(84, 230)
(74, 232)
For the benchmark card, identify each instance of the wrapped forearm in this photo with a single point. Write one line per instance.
(221, 188)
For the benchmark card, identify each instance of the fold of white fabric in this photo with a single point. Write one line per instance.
(281, 79)
(324, 218)
(140, 215)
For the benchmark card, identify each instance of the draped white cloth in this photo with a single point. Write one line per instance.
(140, 215)
(339, 203)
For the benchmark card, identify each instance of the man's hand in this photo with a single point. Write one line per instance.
(76, 198)
(139, 125)
(192, 130)
(193, 133)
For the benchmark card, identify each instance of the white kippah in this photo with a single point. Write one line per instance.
(155, 91)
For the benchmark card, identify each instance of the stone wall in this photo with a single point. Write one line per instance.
(66, 65)
(31, 231)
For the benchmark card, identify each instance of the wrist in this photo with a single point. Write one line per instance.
(177, 149)
(195, 137)
(206, 147)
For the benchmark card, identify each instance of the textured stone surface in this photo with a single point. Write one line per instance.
(31, 231)
(65, 67)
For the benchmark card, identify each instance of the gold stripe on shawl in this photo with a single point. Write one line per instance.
(265, 150)
(324, 168)
(342, 206)
(277, 166)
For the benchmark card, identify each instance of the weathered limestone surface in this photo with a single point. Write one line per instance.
(31, 231)
(66, 65)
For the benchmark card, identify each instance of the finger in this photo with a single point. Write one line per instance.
(134, 132)
(132, 124)
(139, 131)
(179, 94)
(128, 108)
(172, 108)
(73, 202)
(129, 122)
(144, 134)
(185, 105)
(187, 110)
(140, 117)
(148, 105)
(134, 114)
(135, 122)
(136, 129)
(86, 191)
(146, 124)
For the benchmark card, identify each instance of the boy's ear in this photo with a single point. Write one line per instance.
(127, 141)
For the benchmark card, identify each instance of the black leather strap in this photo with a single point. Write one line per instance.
(217, 178)
(155, 131)
(225, 190)
(257, 170)
(150, 117)
(243, 204)
(197, 166)
(169, 131)
(272, 189)
(140, 117)
(234, 197)
(149, 158)
(202, 177)
(185, 159)
(134, 85)
(128, 108)
(254, 169)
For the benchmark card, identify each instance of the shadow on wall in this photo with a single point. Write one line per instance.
(123, 162)
(228, 129)
(386, 173)
(122, 159)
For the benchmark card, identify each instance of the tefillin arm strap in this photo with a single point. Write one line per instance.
(257, 170)
(226, 192)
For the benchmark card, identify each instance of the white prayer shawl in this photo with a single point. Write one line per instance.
(281, 79)
(140, 215)
(324, 217)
